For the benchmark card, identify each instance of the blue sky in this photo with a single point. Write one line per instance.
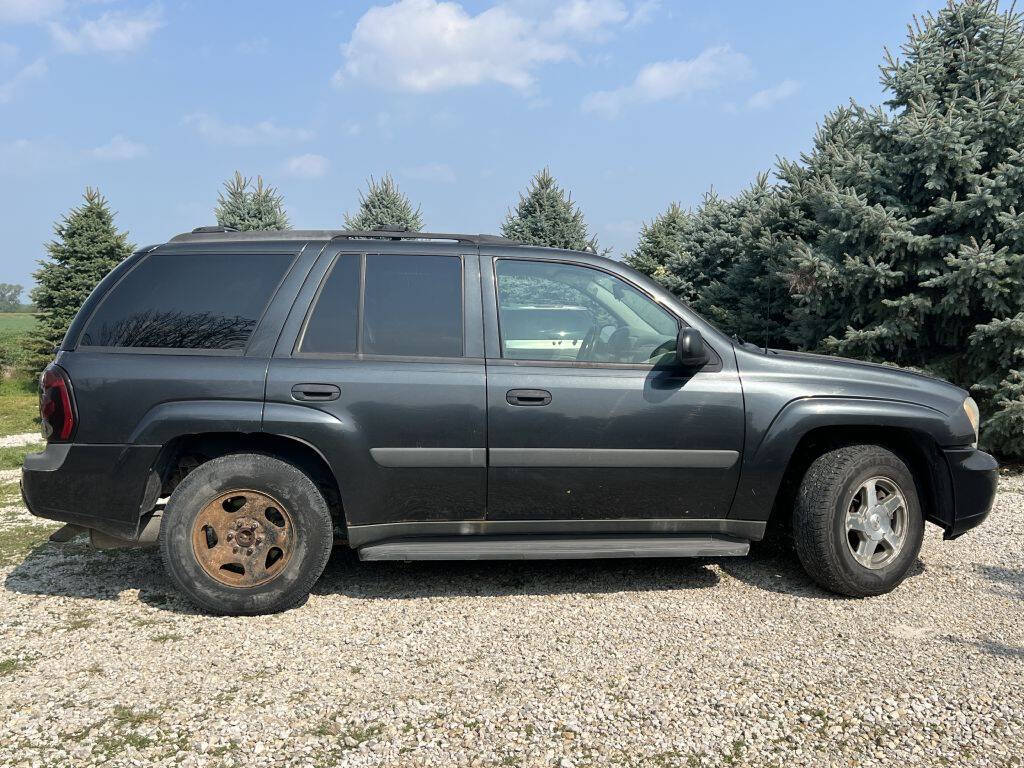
(631, 103)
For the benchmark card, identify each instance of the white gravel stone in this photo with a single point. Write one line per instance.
(13, 441)
(630, 663)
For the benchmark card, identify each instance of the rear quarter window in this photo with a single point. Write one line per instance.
(187, 301)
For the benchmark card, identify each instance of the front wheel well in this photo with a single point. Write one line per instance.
(183, 454)
(919, 451)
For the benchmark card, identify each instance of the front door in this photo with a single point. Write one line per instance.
(384, 374)
(588, 416)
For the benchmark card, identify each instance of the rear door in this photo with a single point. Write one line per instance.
(384, 374)
(590, 419)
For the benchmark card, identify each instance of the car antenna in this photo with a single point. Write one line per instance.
(768, 314)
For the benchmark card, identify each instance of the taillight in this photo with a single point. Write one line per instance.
(56, 411)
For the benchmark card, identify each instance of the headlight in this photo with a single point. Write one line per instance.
(973, 415)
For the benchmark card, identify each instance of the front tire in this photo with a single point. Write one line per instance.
(857, 523)
(246, 534)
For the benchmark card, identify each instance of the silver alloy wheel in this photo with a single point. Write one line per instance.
(876, 523)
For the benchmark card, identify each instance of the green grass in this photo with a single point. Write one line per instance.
(15, 328)
(13, 457)
(18, 539)
(17, 322)
(19, 406)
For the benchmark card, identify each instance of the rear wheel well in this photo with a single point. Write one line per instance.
(183, 454)
(917, 449)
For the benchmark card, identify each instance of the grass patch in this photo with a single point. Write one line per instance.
(169, 637)
(17, 322)
(12, 457)
(18, 539)
(15, 331)
(8, 667)
(19, 406)
(128, 716)
(10, 495)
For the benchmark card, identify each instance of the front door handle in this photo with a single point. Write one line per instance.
(316, 392)
(528, 397)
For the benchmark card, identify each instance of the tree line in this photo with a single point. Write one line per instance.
(897, 237)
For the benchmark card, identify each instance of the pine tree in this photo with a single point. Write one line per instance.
(915, 209)
(383, 206)
(546, 215)
(725, 259)
(246, 205)
(899, 236)
(86, 247)
(662, 239)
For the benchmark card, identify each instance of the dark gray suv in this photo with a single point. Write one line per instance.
(251, 399)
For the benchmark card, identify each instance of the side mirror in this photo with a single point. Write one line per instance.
(690, 349)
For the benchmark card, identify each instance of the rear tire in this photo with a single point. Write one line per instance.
(246, 534)
(857, 522)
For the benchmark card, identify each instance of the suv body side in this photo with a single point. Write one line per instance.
(428, 445)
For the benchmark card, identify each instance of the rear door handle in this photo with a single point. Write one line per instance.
(316, 392)
(528, 397)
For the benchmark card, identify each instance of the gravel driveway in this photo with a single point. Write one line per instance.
(660, 663)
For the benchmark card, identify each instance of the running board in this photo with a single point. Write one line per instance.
(554, 547)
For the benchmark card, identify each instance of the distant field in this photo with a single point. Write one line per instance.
(16, 322)
(18, 399)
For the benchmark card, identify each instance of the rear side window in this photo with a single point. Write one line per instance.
(187, 301)
(333, 326)
(412, 307)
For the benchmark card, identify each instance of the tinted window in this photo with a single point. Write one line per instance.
(413, 306)
(187, 301)
(333, 325)
(552, 311)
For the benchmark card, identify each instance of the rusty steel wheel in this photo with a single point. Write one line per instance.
(243, 538)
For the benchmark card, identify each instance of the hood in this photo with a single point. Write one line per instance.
(803, 374)
(850, 362)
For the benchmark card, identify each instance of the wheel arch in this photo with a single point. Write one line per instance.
(183, 453)
(917, 449)
(805, 428)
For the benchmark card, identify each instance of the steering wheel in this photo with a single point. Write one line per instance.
(588, 343)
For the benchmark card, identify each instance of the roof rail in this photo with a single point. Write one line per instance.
(207, 234)
(216, 229)
(398, 234)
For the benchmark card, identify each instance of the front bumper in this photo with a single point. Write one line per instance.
(974, 475)
(103, 487)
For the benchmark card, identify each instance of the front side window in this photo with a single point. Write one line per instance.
(412, 307)
(550, 311)
(187, 301)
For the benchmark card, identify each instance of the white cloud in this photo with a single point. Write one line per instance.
(643, 13)
(439, 172)
(769, 97)
(120, 148)
(112, 32)
(28, 11)
(307, 166)
(586, 18)
(677, 78)
(431, 45)
(10, 87)
(264, 132)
